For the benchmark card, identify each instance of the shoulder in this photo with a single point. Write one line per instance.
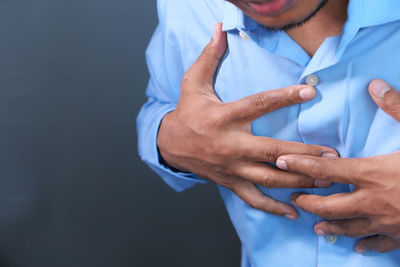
(186, 16)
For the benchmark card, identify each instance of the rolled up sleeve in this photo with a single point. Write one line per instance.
(166, 70)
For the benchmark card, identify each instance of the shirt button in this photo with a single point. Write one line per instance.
(312, 80)
(244, 36)
(331, 239)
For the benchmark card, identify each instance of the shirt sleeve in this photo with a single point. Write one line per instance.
(166, 71)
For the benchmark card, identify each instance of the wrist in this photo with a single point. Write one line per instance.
(166, 142)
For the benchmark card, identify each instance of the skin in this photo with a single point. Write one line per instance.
(372, 211)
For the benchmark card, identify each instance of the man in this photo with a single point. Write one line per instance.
(324, 55)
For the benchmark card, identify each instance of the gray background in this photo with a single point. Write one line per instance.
(72, 189)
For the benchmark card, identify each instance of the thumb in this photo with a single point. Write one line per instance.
(386, 97)
(377, 243)
(203, 70)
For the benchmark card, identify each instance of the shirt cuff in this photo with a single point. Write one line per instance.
(179, 181)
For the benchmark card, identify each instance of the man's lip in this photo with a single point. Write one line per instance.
(270, 8)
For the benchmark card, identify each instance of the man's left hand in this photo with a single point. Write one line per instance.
(372, 210)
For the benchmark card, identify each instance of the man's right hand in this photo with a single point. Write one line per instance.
(214, 140)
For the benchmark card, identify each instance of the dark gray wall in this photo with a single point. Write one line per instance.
(72, 189)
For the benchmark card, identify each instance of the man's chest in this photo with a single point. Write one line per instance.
(343, 114)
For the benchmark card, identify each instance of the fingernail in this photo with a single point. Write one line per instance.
(290, 216)
(320, 232)
(281, 164)
(360, 250)
(215, 33)
(329, 155)
(293, 198)
(380, 88)
(307, 93)
(322, 183)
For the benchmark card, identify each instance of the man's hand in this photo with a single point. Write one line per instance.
(213, 139)
(373, 209)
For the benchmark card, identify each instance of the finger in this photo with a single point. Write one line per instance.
(378, 243)
(256, 199)
(358, 227)
(203, 70)
(336, 206)
(386, 97)
(271, 177)
(347, 171)
(264, 149)
(254, 106)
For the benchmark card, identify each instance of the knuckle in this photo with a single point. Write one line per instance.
(253, 203)
(222, 151)
(269, 181)
(225, 181)
(317, 171)
(271, 152)
(221, 176)
(265, 100)
(373, 210)
(205, 125)
(304, 182)
(259, 100)
(221, 171)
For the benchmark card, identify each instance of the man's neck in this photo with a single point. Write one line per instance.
(327, 22)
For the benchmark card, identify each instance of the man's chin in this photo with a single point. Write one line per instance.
(279, 23)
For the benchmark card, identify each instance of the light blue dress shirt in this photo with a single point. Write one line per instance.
(342, 116)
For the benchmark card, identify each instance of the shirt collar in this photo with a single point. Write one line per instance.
(361, 13)
(234, 19)
(367, 13)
